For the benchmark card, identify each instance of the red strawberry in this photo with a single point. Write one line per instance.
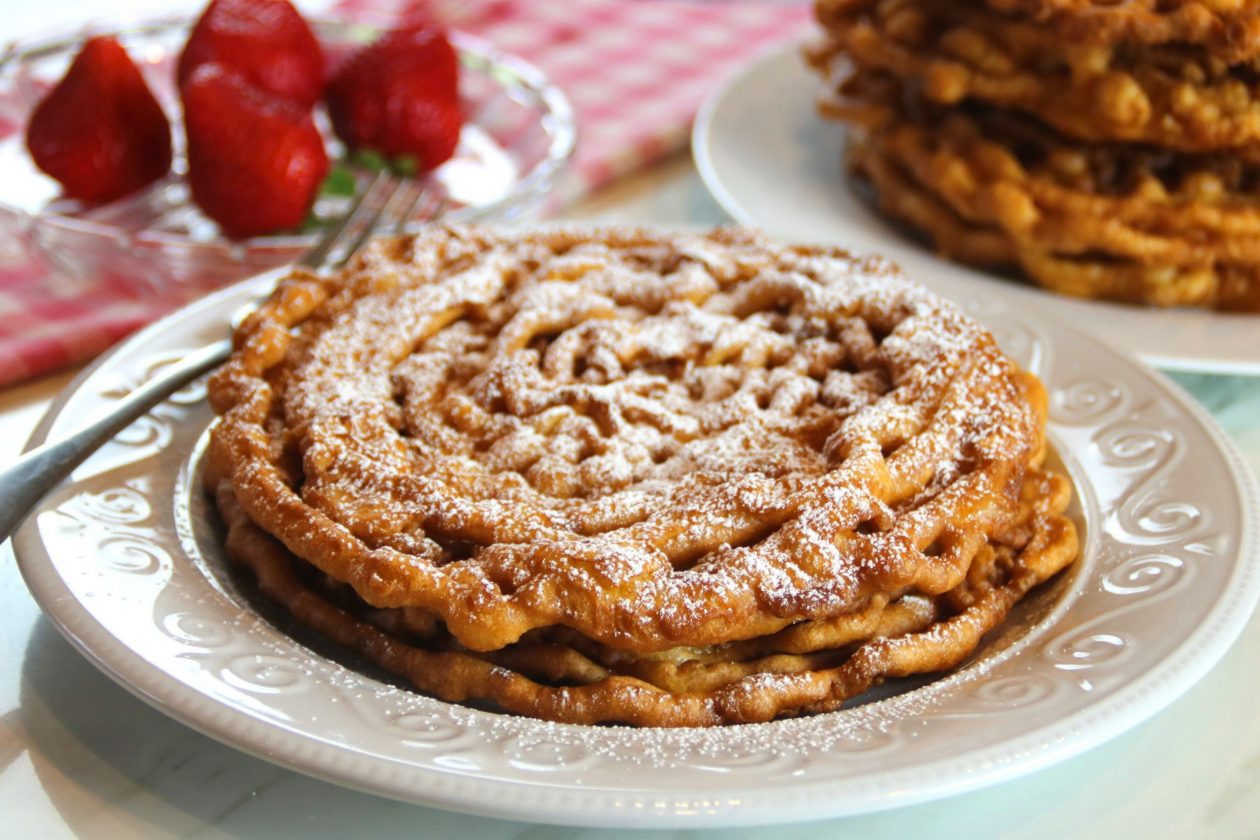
(266, 41)
(400, 96)
(100, 132)
(255, 161)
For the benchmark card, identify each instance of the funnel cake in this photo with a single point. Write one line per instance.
(1118, 223)
(1103, 150)
(614, 475)
(1228, 29)
(1173, 95)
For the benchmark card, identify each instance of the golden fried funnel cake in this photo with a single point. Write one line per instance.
(1228, 29)
(1173, 95)
(1102, 221)
(602, 475)
(1105, 150)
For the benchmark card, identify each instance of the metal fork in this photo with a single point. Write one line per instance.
(27, 480)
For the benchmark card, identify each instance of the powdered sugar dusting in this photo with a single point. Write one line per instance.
(646, 420)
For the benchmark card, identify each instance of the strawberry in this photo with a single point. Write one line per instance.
(400, 96)
(266, 41)
(255, 160)
(99, 131)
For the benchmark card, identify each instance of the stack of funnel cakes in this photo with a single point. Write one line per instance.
(616, 475)
(1107, 150)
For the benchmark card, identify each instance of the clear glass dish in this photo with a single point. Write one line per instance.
(519, 135)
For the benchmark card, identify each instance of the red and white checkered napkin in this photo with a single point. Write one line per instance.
(635, 70)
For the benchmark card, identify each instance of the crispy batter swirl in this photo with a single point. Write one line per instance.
(1174, 95)
(1106, 150)
(617, 444)
(1120, 223)
(1228, 29)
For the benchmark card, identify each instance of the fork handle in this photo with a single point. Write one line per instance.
(27, 480)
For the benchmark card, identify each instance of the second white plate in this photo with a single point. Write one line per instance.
(772, 162)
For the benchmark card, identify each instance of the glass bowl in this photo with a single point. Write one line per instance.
(519, 135)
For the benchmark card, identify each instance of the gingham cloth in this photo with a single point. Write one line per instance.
(635, 71)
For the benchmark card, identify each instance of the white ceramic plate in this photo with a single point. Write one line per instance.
(772, 162)
(125, 560)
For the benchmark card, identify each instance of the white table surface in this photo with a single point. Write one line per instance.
(81, 757)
